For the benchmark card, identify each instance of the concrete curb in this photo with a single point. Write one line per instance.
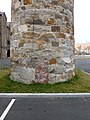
(85, 72)
(43, 95)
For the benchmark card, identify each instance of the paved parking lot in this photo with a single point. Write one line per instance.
(47, 108)
(83, 64)
(5, 62)
(3, 104)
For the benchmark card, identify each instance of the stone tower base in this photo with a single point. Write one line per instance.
(42, 41)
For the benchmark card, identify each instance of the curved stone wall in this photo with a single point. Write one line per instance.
(42, 41)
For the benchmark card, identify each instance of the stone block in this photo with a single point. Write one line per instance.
(55, 28)
(17, 5)
(48, 35)
(41, 71)
(55, 44)
(67, 59)
(56, 78)
(26, 2)
(56, 69)
(51, 21)
(23, 74)
(58, 16)
(29, 35)
(38, 22)
(22, 42)
(71, 38)
(23, 8)
(60, 35)
(22, 28)
(53, 61)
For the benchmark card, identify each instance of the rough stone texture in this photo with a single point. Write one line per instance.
(42, 42)
(3, 35)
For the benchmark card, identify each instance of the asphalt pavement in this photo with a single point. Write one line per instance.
(83, 64)
(4, 62)
(77, 108)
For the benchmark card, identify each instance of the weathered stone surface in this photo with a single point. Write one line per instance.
(55, 44)
(17, 5)
(48, 35)
(29, 35)
(22, 42)
(23, 8)
(58, 16)
(3, 35)
(51, 21)
(38, 22)
(29, 21)
(42, 41)
(22, 28)
(41, 28)
(71, 37)
(53, 61)
(60, 35)
(23, 74)
(56, 69)
(55, 78)
(55, 28)
(26, 2)
(67, 59)
(41, 71)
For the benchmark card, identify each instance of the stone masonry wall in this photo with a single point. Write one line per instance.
(3, 37)
(42, 41)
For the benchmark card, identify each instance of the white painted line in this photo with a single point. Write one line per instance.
(43, 95)
(7, 109)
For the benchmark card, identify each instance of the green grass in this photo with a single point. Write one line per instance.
(80, 83)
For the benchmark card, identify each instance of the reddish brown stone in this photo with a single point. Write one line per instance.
(41, 71)
(51, 21)
(26, 2)
(53, 61)
(71, 37)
